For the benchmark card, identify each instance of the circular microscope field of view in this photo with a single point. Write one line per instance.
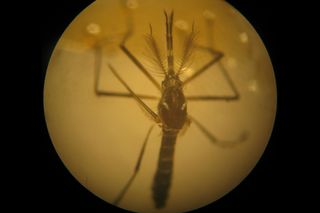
(160, 106)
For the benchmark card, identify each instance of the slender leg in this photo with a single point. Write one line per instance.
(216, 60)
(140, 66)
(136, 169)
(147, 109)
(98, 62)
(216, 141)
(97, 70)
(131, 56)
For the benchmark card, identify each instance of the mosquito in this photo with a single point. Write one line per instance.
(172, 114)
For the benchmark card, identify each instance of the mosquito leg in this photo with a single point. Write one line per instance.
(215, 140)
(98, 63)
(216, 60)
(97, 67)
(97, 70)
(223, 70)
(211, 98)
(235, 96)
(150, 112)
(140, 66)
(136, 169)
(132, 57)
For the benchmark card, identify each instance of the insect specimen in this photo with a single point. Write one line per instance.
(172, 116)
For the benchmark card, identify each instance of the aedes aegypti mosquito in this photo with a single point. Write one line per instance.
(172, 114)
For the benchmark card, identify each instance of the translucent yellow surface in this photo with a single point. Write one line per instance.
(99, 138)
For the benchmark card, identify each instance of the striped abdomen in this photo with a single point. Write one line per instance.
(163, 176)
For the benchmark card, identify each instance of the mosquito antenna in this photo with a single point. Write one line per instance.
(156, 56)
(169, 21)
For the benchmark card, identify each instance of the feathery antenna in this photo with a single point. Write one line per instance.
(156, 57)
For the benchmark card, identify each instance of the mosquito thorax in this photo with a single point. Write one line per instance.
(172, 106)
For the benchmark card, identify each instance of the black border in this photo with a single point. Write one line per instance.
(267, 187)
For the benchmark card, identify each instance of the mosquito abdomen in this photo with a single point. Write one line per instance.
(163, 176)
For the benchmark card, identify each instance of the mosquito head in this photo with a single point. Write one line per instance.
(171, 82)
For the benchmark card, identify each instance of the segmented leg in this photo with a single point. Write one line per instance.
(97, 71)
(215, 140)
(150, 112)
(132, 57)
(136, 169)
(98, 63)
(216, 60)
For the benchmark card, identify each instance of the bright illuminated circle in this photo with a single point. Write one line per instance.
(99, 138)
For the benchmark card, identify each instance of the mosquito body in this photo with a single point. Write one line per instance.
(172, 114)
